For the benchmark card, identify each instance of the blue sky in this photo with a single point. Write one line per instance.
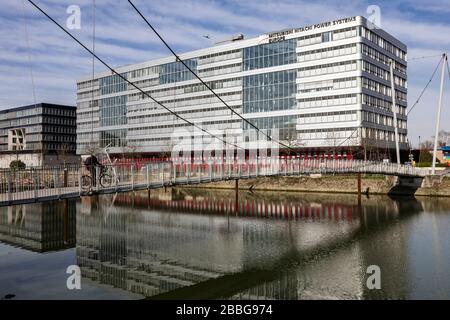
(122, 38)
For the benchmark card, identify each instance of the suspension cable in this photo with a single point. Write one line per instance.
(425, 57)
(426, 86)
(126, 80)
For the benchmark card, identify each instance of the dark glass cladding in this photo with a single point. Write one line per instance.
(176, 71)
(270, 91)
(270, 54)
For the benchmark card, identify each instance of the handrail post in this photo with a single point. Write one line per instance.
(33, 178)
(9, 186)
(174, 171)
(147, 176)
(132, 176)
(79, 180)
(210, 171)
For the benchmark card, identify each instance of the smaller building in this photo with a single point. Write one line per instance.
(39, 135)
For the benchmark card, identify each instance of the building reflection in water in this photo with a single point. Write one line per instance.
(39, 227)
(316, 246)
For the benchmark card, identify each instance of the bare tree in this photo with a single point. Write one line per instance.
(333, 140)
(293, 141)
(65, 149)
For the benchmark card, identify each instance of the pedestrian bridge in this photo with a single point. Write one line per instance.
(43, 184)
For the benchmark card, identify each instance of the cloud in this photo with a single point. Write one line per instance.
(123, 38)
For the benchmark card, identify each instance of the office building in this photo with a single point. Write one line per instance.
(324, 88)
(38, 135)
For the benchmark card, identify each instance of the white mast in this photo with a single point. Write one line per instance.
(438, 118)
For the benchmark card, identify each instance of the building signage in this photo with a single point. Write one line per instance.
(280, 35)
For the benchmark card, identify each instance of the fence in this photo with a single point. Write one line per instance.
(55, 183)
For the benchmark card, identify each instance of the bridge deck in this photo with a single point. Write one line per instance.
(33, 185)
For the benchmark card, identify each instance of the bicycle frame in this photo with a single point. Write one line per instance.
(111, 163)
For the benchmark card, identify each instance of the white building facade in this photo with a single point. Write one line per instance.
(323, 88)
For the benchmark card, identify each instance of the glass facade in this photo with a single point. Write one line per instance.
(176, 71)
(270, 92)
(335, 78)
(270, 54)
(284, 124)
(113, 138)
(113, 111)
(112, 84)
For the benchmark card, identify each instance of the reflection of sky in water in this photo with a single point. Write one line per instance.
(31, 275)
(279, 245)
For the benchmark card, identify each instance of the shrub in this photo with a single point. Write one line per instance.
(17, 165)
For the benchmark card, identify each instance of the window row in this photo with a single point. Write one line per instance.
(220, 70)
(381, 119)
(381, 135)
(382, 89)
(325, 85)
(88, 94)
(327, 36)
(332, 134)
(188, 114)
(112, 84)
(220, 56)
(383, 74)
(327, 53)
(177, 71)
(87, 84)
(326, 117)
(380, 57)
(328, 101)
(270, 54)
(338, 67)
(144, 72)
(382, 104)
(382, 43)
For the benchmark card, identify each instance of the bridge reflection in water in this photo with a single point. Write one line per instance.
(190, 243)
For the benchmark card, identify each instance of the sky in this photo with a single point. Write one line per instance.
(31, 44)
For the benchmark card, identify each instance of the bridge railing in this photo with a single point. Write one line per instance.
(36, 183)
(16, 185)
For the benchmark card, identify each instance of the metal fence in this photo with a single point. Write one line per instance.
(55, 183)
(38, 183)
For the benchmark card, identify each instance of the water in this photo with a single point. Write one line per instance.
(199, 244)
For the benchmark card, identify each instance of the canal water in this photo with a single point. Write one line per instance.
(192, 243)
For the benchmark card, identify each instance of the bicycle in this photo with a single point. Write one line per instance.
(106, 177)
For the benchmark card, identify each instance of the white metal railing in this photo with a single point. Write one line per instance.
(35, 183)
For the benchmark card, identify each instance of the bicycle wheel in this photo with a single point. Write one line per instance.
(86, 182)
(106, 180)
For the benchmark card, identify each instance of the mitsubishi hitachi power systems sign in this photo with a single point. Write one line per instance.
(280, 35)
